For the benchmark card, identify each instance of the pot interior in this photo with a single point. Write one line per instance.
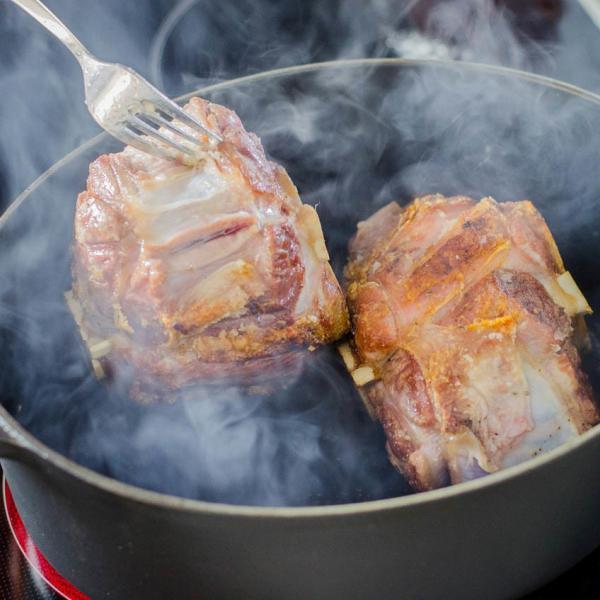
(353, 137)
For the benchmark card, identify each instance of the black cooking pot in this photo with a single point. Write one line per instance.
(353, 135)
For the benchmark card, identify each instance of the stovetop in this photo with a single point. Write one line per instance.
(570, 41)
(18, 579)
(29, 574)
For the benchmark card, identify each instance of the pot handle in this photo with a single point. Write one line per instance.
(11, 448)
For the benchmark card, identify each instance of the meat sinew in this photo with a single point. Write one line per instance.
(465, 324)
(201, 273)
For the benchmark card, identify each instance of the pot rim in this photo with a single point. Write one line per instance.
(26, 442)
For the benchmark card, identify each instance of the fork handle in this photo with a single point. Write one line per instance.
(53, 24)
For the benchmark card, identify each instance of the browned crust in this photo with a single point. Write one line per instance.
(239, 332)
(457, 283)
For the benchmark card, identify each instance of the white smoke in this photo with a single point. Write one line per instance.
(348, 149)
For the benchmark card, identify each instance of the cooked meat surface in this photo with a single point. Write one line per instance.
(464, 346)
(205, 272)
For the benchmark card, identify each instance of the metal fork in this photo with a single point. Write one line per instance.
(126, 105)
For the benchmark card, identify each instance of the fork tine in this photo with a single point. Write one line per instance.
(140, 142)
(156, 119)
(137, 123)
(173, 110)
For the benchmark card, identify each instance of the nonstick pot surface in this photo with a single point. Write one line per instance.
(353, 137)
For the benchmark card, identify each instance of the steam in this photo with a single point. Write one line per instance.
(352, 139)
(43, 115)
(183, 45)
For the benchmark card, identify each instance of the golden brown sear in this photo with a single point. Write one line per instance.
(208, 272)
(464, 347)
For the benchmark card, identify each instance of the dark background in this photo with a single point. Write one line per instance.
(183, 45)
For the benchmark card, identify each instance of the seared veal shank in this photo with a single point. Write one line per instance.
(464, 344)
(210, 272)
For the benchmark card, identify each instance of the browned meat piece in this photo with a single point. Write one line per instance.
(209, 272)
(463, 319)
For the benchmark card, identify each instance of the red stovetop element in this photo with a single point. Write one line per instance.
(34, 557)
